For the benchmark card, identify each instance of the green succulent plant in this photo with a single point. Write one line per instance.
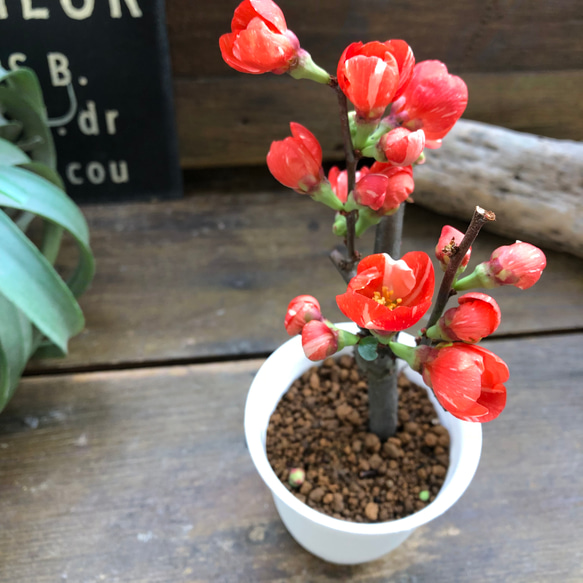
(39, 312)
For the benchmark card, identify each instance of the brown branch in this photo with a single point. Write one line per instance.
(345, 268)
(480, 218)
(351, 161)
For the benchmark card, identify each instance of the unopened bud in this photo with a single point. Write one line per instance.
(424, 495)
(296, 477)
(448, 245)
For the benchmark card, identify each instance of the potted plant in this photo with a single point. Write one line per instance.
(38, 309)
(332, 502)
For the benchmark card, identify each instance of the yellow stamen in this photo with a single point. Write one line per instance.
(385, 298)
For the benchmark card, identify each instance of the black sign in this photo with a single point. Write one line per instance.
(105, 72)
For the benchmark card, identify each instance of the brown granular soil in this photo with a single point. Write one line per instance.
(320, 425)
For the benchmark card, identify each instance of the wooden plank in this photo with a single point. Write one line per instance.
(212, 275)
(143, 476)
(232, 121)
(468, 36)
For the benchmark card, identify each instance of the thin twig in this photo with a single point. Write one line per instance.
(480, 218)
(351, 237)
(351, 161)
(346, 270)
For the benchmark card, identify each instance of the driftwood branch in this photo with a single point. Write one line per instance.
(533, 184)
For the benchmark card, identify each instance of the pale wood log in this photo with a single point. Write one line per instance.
(533, 184)
(143, 477)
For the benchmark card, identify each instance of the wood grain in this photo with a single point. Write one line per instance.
(471, 35)
(143, 476)
(231, 121)
(212, 275)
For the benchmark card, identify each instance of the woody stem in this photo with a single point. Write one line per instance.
(351, 161)
(479, 219)
(389, 233)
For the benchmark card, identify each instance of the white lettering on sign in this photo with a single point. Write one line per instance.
(78, 13)
(30, 12)
(15, 60)
(96, 172)
(71, 173)
(59, 69)
(115, 8)
(119, 172)
(110, 117)
(87, 120)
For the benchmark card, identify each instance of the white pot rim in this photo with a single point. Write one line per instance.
(456, 483)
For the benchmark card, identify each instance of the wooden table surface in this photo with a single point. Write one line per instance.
(126, 461)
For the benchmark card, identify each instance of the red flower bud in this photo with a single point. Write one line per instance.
(466, 379)
(520, 264)
(401, 146)
(388, 295)
(372, 75)
(259, 41)
(477, 316)
(449, 240)
(399, 187)
(371, 190)
(318, 340)
(300, 311)
(297, 161)
(433, 100)
(339, 181)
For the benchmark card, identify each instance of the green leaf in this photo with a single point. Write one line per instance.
(11, 155)
(16, 348)
(35, 131)
(26, 83)
(45, 172)
(27, 191)
(30, 282)
(367, 348)
(5, 388)
(10, 129)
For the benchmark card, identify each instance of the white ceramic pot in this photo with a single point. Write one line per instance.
(331, 539)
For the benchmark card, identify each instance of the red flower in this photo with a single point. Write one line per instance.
(388, 295)
(520, 264)
(449, 239)
(297, 161)
(300, 311)
(466, 379)
(374, 74)
(369, 190)
(433, 100)
(399, 187)
(339, 181)
(318, 340)
(260, 41)
(477, 316)
(402, 147)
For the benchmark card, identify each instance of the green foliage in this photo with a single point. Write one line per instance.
(38, 309)
(367, 348)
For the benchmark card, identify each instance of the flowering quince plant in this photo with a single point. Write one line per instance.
(400, 108)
